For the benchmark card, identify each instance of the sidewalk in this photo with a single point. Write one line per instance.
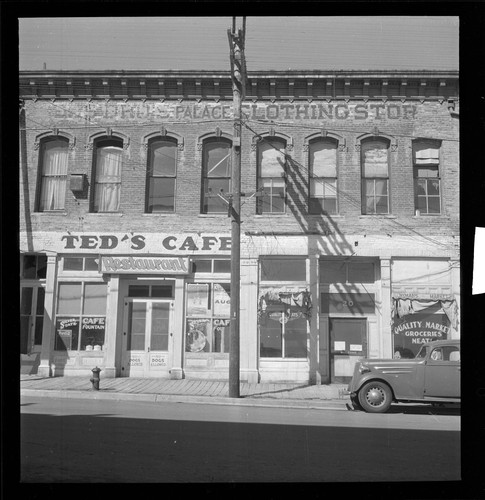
(188, 391)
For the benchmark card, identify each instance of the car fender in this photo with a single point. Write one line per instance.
(370, 377)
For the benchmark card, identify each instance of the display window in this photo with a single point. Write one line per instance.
(80, 316)
(208, 317)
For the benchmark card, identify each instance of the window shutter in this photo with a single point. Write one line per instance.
(426, 154)
(375, 159)
(323, 159)
(272, 160)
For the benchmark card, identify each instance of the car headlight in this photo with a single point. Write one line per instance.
(363, 369)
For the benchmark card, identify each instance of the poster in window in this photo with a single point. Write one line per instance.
(92, 333)
(196, 338)
(222, 300)
(197, 299)
(67, 333)
(220, 334)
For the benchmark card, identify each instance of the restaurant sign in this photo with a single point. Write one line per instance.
(143, 265)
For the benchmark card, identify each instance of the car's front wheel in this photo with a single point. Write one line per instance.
(375, 397)
(355, 402)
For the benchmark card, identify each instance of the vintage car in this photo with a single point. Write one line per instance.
(433, 376)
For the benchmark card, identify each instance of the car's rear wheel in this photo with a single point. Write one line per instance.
(375, 397)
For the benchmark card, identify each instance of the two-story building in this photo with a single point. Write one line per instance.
(350, 221)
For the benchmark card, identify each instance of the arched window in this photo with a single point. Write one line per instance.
(426, 161)
(323, 176)
(375, 176)
(53, 179)
(216, 174)
(161, 175)
(108, 155)
(271, 162)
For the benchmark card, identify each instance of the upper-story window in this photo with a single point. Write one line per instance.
(271, 162)
(375, 176)
(323, 176)
(53, 174)
(161, 175)
(108, 157)
(427, 192)
(216, 174)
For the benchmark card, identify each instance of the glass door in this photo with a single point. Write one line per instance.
(147, 337)
(348, 343)
(31, 318)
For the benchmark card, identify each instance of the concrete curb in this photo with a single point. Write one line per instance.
(334, 404)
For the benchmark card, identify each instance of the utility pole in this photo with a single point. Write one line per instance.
(238, 76)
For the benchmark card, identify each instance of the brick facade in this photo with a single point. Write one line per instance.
(189, 108)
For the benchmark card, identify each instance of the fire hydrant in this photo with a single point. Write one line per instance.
(95, 379)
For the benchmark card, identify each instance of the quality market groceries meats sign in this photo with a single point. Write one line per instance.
(423, 330)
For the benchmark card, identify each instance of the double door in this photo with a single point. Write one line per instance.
(147, 337)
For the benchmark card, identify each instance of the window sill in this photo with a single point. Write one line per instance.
(421, 216)
(260, 216)
(109, 214)
(381, 216)
(160, 214)
(52, 212)
(216, 215)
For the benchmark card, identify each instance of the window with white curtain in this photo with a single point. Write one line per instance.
(53, 179)
(323, 176)
(107, 176)
(427, 193)
(272, 175)
(375, 176)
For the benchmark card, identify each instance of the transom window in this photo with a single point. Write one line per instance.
(341, 271)
(375, 176)
(107, 175)
(211, 266)
(271, 175)
(161, 176)
(323, 176)
(216, 175)
(166, 290)
(53, 178)
(80, 263)
(427, 190)
(33, 267)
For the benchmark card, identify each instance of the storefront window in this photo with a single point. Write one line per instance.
(283, 322)
(81, 316)
(416, 322)
(208, 317)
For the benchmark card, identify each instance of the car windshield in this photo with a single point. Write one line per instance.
(422, 352)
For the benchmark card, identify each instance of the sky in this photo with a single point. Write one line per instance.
(272, 43)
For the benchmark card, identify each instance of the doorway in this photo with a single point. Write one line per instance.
(147, 337)
(348, 343)
(31, 318)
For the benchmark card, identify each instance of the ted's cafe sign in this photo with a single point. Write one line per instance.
(143, 243)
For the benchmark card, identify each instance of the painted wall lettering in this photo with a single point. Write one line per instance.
(213, 111)
(154, 243)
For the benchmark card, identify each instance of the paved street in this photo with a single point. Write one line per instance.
(70, 440)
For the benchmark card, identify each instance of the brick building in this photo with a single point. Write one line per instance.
(350, 221)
